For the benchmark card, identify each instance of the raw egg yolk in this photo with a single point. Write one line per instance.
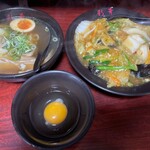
(55, 113)
(24, 24)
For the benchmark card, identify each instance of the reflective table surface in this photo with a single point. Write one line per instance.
(120, 123)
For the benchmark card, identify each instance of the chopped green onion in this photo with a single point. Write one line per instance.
(17, 44)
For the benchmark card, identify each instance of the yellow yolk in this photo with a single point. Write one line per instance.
(22, 24)
(55, 113)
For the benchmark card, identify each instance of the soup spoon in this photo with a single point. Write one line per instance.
(40, 58)
(42, 53)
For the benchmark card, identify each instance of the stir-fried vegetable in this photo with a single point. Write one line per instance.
(106, 62)
(113, 49)
(129, 66)
(96, 53)
(114, 26)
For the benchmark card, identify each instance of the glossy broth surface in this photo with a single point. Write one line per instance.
(20, 41)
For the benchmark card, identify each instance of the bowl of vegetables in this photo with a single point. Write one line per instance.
(111, 50)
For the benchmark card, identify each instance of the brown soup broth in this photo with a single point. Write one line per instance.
(11, 65)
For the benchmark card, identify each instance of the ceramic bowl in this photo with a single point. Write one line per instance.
(36, 93)
(54, 44)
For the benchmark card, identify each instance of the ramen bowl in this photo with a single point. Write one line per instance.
(21, 33)
(53, 109)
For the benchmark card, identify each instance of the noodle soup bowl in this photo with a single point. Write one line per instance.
(57, 88)
(24, 33)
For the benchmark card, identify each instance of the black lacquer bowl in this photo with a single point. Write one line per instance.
(54, 46)
(84, 72)
(30, 100)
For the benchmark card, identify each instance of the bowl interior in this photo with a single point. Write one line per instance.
(51, 95)
(30, 100)
(55, 39)
(83, 71)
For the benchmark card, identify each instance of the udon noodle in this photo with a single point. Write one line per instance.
(112, 50)
(19, 43)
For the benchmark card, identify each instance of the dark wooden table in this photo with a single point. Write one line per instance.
(120, 123)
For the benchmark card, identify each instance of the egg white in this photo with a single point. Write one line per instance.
(14, 25)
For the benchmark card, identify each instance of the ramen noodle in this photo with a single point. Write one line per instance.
(19, 44)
